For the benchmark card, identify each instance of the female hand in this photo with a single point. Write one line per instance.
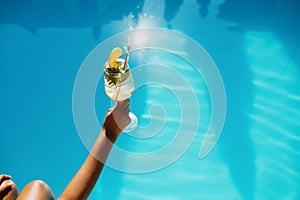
(5, 185)
(117, 118)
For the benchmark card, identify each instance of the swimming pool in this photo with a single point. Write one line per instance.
(255, 47)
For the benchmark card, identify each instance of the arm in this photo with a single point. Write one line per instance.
(83, 182)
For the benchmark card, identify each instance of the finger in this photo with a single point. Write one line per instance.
(7, 184)
(4, 177)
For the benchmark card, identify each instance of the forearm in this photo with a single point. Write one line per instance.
(85, 179)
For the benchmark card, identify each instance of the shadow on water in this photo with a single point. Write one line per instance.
(34, 14)
(235, 143)
(203, 10)
(279, 17)
(172, 8)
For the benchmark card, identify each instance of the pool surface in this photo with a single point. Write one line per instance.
(247, 64)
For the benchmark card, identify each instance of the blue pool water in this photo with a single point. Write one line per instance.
(255, 46)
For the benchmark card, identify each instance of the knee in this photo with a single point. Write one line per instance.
(36, 190)
(39, 185)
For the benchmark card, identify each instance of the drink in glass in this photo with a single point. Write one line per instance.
(118, 82)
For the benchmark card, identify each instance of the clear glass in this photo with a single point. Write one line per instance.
(119, 86)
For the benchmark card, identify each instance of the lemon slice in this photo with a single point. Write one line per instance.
(114, 55)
